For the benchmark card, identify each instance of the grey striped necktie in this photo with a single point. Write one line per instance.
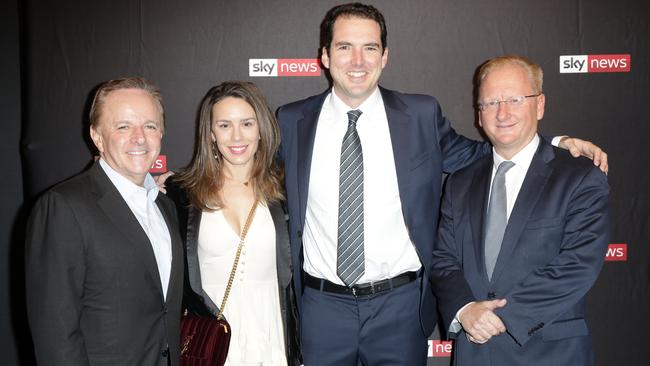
(496, 220)
(349, 253)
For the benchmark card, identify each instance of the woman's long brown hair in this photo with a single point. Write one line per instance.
(203, 178)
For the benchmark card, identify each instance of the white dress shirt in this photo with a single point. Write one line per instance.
(388, 249)
(514, 180)
(142, 202)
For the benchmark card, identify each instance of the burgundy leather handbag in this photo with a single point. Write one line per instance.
(205, 339)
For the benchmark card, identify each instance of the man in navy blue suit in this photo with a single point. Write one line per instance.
(362, 252)
(523, 234)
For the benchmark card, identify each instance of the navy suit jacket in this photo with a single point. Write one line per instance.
(424, 145)
(552, 251)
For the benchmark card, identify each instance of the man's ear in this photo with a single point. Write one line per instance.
(97, 139)
(325, 58)
(384, 58)
(541, 102)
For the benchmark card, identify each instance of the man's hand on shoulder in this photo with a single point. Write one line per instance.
(161, 179)
(578, 147)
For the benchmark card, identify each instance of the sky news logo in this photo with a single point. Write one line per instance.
(616, 253)
(160, 165)
(594, 63)
(274, 67)
(438, 348)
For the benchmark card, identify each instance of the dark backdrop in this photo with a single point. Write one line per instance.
(56, 52)
(14, 336)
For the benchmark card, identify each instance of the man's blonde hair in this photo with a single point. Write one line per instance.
(535, 73)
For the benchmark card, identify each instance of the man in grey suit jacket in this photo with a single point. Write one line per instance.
(104, 261)
(522, 237)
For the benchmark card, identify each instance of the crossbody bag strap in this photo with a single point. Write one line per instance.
(242, 237)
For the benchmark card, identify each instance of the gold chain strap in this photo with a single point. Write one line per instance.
(242, 236)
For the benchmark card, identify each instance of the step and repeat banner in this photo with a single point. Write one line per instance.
(594, 55)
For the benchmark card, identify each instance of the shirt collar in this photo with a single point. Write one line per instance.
(126, 187)
(521, 159)
(368, 105)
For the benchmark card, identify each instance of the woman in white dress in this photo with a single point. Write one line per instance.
(232, 170)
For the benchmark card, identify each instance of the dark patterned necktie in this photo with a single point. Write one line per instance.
(496, 220)
(349, 253)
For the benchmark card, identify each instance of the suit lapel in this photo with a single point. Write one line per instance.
(531, 191)
(282, 248)
(478, 208)
(305, 140)
(119, 213)
(398, 125)
(192, 240)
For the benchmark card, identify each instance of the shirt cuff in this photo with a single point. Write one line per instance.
(556, 140)
(455, 325)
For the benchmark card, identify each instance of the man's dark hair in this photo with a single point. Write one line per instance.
(357, 10)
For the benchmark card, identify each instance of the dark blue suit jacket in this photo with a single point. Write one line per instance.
(424, 145)
(552, 251)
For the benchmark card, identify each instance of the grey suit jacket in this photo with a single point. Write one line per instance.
(94, 295)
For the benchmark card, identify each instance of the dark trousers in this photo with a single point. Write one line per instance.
(383, 329)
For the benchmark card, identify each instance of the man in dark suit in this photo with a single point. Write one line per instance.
(104, 262)
(363, 167)
(522, 237)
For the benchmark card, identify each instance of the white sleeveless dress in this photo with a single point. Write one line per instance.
(253, 307)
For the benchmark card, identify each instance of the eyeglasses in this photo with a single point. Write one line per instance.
(510, 102)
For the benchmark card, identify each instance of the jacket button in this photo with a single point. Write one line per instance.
(491, 295)
(299, 234)
(165, 352)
